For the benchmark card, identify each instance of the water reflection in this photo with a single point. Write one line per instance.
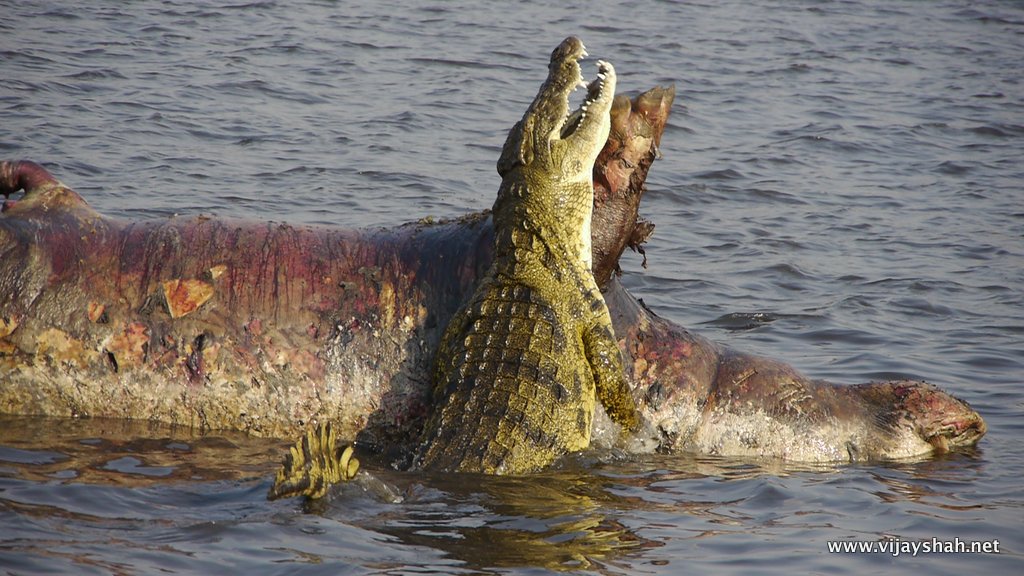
(127, 453)
(86, 482)
(594, 513)
(938, 483)
(559, 521)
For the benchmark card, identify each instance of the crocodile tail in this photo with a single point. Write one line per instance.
(313, 464)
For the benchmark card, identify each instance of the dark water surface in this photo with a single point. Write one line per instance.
(842, 188)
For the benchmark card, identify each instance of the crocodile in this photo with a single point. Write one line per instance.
(522, 363)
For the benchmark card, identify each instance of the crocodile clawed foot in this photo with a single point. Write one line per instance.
(313, 464)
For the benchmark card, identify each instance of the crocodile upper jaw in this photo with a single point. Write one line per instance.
(557, 140)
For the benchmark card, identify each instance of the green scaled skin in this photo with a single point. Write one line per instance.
(522, 363)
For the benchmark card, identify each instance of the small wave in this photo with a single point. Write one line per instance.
(843, 336)
(922, 306)
(991, 362)
(133, 465)
(998, 130)
(951, 168)
(776, 196)
(63, 14)
(769, 495)
(742, 321)
(783, 245)
(452, 63)
(787, 270)
(96, 74)
(32, 457)
(726, 174)
(887, 375)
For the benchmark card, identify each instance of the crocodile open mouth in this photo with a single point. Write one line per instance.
(595, 90)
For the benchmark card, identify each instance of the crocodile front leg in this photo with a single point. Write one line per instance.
(605, 359)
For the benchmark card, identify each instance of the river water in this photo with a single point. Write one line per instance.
(842, 188)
